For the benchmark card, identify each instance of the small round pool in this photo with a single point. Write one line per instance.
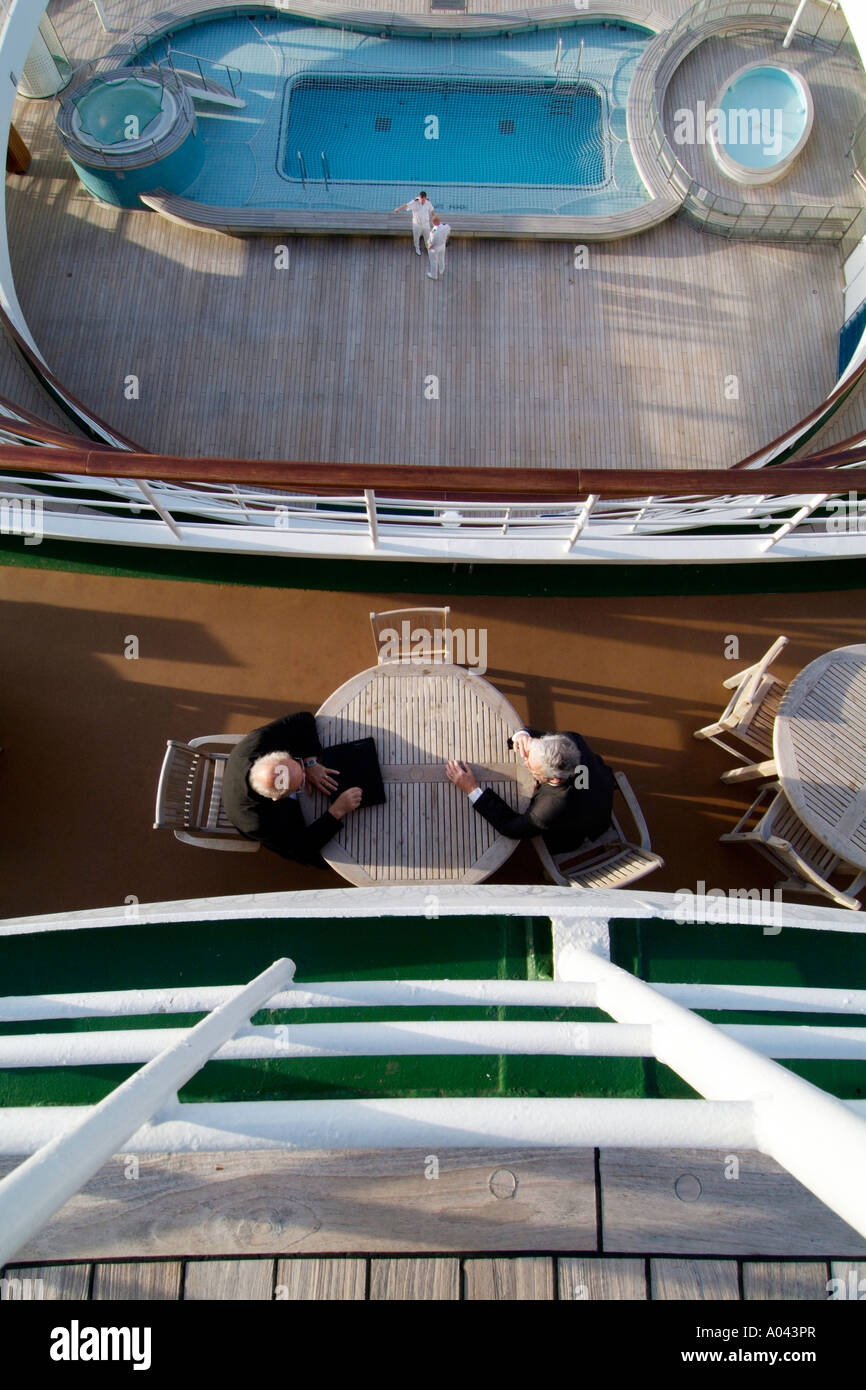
(123, 112)
(129, 132)
(762, 119)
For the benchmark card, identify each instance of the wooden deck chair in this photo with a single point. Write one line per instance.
(777, 833)
(402, 632)
(189, 796)
(749, 717)
(609, 862)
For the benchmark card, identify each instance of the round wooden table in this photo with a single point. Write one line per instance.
(819, 742)
(427, 831)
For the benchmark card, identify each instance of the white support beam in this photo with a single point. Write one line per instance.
(812, 1134)
(31, 1194)
(475, 1122)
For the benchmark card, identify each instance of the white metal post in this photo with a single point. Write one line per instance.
(786, 42)
(39, 1187)
(101, 15)
(812, 1134)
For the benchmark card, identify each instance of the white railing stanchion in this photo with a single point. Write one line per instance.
(812, 1134)
(161, 511)
(581, 520)
(372, 519)
(33, 1192)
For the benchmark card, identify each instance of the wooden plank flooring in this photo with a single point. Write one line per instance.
(620, 364)
(508, 1279)
(232, 1206)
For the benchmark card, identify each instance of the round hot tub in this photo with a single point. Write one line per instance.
(131, 131)
(124, 113)
(761, 121)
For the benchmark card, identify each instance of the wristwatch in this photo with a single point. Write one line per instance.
(310, 762)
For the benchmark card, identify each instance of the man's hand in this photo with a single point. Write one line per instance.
(347, 801)
(461, 775)
(520, 743)
(324, 779)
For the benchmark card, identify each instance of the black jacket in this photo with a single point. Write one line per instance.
(279, 825)
(566, 815)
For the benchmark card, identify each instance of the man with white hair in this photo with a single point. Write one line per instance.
(573, 797)
(261, 783)
(439, 233)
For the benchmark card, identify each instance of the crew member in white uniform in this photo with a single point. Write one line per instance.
(439, 233)
(422, 210)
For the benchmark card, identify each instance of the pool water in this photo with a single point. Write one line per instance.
(529, 122)
(486, 132)
(765, 117)
(103, 112)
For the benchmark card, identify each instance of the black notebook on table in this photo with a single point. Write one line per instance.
(358, 766)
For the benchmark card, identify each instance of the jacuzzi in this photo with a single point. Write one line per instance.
(762, 119)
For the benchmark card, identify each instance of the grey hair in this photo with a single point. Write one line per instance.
(261, 774)
(555, 755)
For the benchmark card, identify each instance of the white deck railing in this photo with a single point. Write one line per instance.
(367, 524)
(749, 1101)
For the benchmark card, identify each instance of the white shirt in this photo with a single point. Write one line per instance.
(474, 795)
(421, 212)
(438, 237)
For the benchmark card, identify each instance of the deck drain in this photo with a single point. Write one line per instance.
(688, 1188)
(503, 1184)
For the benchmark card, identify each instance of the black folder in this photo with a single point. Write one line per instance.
(358, 766)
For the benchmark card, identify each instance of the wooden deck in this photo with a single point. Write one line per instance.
(546, 1224)
(509, 1279)
(516, 358)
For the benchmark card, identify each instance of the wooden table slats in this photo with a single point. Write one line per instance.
(819, 741)
(420, 716)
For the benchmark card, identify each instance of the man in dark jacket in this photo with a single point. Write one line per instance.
(573, 797)
(263, 775)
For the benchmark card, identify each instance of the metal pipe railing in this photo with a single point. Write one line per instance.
(34, 1191)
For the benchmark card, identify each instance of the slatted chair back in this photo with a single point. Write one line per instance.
(400, 633)
(189, 799)
(612, 861)
(750, 714)
(773, 828)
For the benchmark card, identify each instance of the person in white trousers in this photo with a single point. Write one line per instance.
(422, 210)
(436, 248)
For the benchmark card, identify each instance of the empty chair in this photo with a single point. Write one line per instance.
(189, 796)
(749, 717)
(609, 862)
(779, 835)
(403, 633)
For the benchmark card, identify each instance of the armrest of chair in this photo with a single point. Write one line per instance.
(215, 738)
(548, 863)
(636, 813)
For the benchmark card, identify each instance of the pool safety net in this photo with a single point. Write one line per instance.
(520, 124)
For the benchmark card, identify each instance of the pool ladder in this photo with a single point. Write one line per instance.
(325, 170)
(303, 168)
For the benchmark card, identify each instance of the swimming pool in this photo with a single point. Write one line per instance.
(485, 132)
(516, 122)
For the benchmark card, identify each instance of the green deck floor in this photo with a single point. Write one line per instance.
(175, 954)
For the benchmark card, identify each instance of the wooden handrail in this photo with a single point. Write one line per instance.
(434, 483)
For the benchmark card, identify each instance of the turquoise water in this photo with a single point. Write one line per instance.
(105, 109)
(765, 115)
(486, 132)
(531, 123)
